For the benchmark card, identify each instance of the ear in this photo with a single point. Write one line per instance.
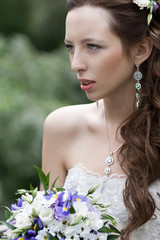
(143, 50)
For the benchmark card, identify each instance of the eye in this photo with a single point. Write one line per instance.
(93, 47)
(70, 48)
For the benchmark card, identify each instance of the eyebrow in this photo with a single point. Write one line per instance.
(86, 40)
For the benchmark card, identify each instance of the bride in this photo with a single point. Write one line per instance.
(114, 48)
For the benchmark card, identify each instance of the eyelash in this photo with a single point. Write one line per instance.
(96, 47)
(69, 47)
(89, 46)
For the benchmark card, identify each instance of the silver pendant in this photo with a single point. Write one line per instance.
(138, 75)
(109, 160)
(107, 170)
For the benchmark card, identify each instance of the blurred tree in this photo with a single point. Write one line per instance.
(46, 23)
(32, 84)
(14, 16)
(42, 20)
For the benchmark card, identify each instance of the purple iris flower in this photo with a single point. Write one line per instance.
(14, 207)
(61, 198)
(82, 198)
(49, 196)
(155, 6)
(63, 209)
(38, 222)
(61, 212)
(76, 197)
(30, 235)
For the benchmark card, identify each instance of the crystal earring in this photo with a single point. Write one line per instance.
(138, 76)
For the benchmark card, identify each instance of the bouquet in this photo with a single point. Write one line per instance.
(58, 214)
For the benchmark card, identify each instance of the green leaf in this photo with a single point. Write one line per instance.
(115, 230)
(44, 179)
(8, 214)
(8, 225)
(108, 217)
(31, 187)
(112, 229)
(112, 237)
(47, 177)
(104, 229)
(54, 183)
(50, 237)
(60, 189)
(72, 210)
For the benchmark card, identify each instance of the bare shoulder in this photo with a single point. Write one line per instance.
(65, 120)
(61, 128)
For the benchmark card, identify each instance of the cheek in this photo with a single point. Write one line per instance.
(112, 62)
(114, 65)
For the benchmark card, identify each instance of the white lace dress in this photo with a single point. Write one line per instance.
(110, 190)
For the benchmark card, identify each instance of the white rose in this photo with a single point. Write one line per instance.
(75, 237)
(46, 215)
(95, 221)
(36, 207)
(42, 234)
(142, 3)
(23, 220)
(10, 234)
(81, 208)
(55, 226)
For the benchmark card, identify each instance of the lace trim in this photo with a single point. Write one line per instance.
(96, 174)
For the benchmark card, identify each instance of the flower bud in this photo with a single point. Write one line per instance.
(34, 194)
(27, 198)
(92, 189)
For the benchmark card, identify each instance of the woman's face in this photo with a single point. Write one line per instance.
(96, 53)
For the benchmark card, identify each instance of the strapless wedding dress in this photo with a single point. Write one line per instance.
(110, 192)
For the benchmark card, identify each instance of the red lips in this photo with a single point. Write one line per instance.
(86, 84)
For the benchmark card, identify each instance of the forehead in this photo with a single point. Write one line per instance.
(87, 20)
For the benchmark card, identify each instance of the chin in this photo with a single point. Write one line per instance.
(92, 97)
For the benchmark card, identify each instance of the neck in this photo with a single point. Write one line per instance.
(119, 106)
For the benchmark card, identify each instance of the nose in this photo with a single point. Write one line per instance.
(78, 62)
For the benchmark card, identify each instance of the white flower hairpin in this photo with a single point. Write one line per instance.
(152, 5)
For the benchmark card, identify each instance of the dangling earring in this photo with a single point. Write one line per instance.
(137, 76)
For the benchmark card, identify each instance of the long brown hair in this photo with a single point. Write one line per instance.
(141, 130)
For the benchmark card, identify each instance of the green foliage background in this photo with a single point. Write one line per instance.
(35, 79)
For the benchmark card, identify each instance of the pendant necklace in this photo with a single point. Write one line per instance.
(109, 159)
